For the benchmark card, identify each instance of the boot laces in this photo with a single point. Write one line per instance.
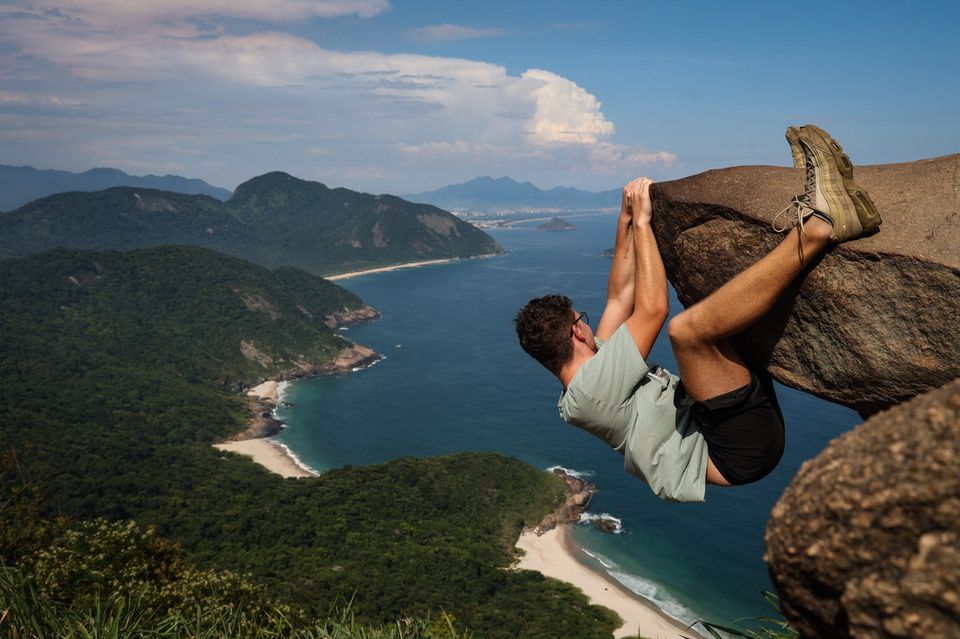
(802, 202)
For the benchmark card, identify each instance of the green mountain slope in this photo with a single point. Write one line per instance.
(118, 370)
(274, 220)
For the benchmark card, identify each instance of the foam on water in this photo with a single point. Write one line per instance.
(296, 460)
(366, 366)
(655, 593)
(646, 588)
(589, 518)
(603, 561)
(579, 474)
(281, 389)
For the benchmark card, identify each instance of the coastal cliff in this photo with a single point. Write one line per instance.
(577, 495)
(872, 323)
(864, 542)
(351, 317)
(264, 398)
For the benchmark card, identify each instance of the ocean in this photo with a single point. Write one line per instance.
(454, 379)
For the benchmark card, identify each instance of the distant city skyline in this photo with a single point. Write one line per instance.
(401, 97)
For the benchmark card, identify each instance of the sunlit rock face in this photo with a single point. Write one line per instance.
(865, 542)
(874, 321)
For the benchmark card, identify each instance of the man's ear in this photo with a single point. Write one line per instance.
(578, 333)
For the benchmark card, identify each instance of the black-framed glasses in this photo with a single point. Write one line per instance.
(582, 316)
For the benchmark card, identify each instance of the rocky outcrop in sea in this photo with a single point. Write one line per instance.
(351, 317)
(578, 493)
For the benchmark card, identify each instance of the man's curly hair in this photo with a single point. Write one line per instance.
(543, 326)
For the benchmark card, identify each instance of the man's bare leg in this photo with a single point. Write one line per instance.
(709, 365)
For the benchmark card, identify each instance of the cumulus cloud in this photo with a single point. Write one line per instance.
(565, 112)
(442, 32)
(169, 87)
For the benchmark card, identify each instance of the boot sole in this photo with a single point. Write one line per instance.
(866, 210)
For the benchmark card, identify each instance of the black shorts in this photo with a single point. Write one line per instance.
(743, 428)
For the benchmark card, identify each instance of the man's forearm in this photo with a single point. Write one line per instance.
(650, 289)
(621, 281)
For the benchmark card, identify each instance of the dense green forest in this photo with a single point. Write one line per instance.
(273, 220)
(119, 369)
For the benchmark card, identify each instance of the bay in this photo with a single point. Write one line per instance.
(454, 379)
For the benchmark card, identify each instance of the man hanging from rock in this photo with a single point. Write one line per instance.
(719, 421)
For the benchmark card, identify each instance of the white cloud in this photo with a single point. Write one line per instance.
(443, 32)
(565, 112)
(171, 89)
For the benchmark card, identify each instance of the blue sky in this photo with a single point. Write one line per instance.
(393, 96)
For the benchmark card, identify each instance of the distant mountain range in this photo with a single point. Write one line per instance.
(22, 184)
(487, 194)
(274, 220)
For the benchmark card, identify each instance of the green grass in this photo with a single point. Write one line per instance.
(28, 614)
(754, 627)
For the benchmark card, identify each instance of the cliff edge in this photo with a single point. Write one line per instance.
(874, 321)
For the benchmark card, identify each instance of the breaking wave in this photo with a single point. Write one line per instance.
(589, 518)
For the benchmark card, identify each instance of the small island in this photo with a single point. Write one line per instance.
(607, 253)
(556, 224)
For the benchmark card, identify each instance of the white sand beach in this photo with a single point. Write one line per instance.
(386, 269)
(553, 555)
(268, 390)
(268, 454)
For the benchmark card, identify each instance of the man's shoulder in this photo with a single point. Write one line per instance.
(612, 375)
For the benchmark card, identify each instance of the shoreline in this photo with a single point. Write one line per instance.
(397, 267)
(257, 441)
(554, 554)
(264, 449)
(270, 454)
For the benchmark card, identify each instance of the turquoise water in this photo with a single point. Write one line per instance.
(454, 379)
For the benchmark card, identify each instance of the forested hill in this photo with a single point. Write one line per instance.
(273, 220)
(22, 184)
(119, 369)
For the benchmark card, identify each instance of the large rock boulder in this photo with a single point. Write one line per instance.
(875, 321)
(865, 542)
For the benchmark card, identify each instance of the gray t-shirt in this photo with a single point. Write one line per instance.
(617, 397)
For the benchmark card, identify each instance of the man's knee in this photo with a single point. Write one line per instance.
(683, 331)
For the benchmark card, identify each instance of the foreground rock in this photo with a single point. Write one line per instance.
(875, 322)
(866, 540)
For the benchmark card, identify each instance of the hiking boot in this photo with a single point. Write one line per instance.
(829, 190)
(867, 212)
(793, 139)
